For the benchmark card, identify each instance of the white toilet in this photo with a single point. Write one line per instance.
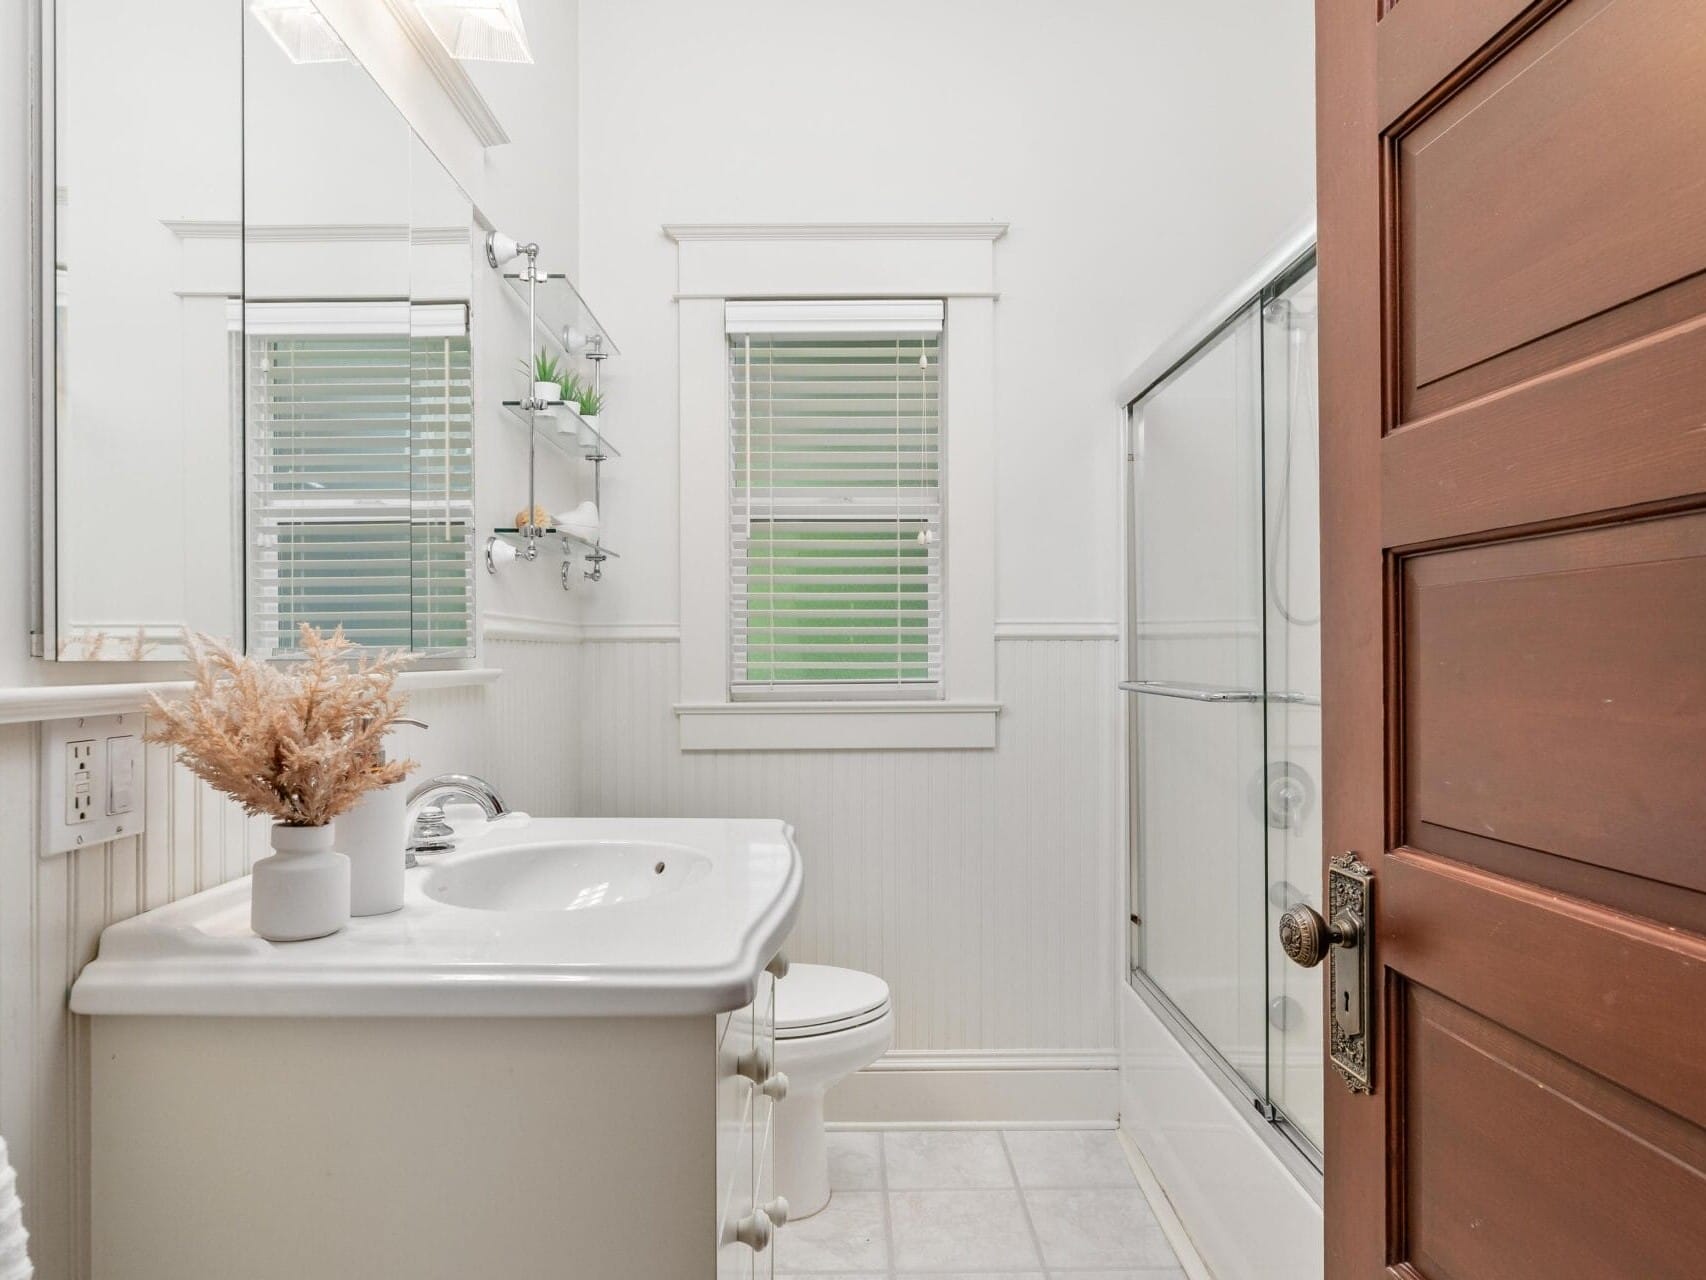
(829, 1023)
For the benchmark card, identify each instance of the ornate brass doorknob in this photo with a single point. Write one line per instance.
(1306, 938)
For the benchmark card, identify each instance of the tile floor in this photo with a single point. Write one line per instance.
(1058, 1204)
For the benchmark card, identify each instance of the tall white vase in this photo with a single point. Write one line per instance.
(371, 837)
(302, 891)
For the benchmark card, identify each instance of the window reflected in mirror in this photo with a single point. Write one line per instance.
(260, 343)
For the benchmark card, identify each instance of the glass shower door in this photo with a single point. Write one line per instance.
(1196, 703)
(1224, 705)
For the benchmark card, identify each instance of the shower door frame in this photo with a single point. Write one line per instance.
(1294, 259)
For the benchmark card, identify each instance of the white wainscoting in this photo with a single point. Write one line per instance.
(982, 885)
(979, 883)
(52, 910)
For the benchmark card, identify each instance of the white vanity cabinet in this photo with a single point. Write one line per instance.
(444, 1093)
(344, 1149)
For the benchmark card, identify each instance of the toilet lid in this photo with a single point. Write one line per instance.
(816, 999)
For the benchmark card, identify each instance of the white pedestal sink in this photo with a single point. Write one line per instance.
(556, 1059)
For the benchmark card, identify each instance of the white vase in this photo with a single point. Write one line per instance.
(371, 837)
(589, 429)
(302, 891)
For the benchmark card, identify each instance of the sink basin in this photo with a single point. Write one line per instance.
(566, 876)
(527, 917)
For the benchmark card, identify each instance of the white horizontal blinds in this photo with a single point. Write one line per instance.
(360, 474)
(836, 507)
(442, 489)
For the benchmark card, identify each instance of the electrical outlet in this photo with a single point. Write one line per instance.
(79, 781)
(92, 781)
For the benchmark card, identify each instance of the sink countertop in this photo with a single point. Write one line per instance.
(698, 949)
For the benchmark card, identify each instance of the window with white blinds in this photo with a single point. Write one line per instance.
(836, 500)
(360, 461)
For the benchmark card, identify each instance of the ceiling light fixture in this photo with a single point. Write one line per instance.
(478, 30)
(300, 30)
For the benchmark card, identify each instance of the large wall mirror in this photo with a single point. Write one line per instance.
(259, 342)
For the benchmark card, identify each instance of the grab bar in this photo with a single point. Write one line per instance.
(1215, 692)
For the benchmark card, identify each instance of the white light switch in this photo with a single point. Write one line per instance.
(121, 774)
(92, 781)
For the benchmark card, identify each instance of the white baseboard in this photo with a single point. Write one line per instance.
(1015, 1089)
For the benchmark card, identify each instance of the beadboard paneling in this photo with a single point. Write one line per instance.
(52, 910)
(981, 884)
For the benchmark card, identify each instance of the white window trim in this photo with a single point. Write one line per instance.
(954, 262)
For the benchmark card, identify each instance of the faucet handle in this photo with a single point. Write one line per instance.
(431, 831)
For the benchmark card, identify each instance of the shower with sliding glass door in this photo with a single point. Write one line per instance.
(1222, 695)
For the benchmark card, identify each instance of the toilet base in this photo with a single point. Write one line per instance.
(801, 1154)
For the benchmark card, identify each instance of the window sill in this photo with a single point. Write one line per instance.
(837, 726)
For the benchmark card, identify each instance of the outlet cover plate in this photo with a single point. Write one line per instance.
(60, 836)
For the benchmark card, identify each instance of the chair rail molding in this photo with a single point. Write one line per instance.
(25, 704)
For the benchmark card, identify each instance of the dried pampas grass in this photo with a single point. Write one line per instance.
(299, 743)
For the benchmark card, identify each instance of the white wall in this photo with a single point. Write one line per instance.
(1146, 155)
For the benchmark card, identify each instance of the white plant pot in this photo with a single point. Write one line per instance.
(371, 837)
(589, 428)
(302, 891)
(549, 394)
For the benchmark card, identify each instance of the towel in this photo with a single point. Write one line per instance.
(14, 1240)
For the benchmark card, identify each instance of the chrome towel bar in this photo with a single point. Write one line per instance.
(1214, 692)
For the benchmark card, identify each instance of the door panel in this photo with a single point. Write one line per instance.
(1549, 685)
(1538, 196)
(1508, 1147)
(1513, 277)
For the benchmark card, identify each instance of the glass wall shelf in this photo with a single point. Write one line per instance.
(564, 429)
(560, 313)
(511, 534)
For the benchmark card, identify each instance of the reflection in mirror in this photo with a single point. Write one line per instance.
(441, 416)
(357, 269)
(143, 429)
(259, 342)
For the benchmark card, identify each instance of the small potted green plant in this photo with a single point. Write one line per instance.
(547, 373)
(588, 404)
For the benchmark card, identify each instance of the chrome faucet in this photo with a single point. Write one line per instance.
(428, 831)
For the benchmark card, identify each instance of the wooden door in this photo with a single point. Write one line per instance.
(1513, 280)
